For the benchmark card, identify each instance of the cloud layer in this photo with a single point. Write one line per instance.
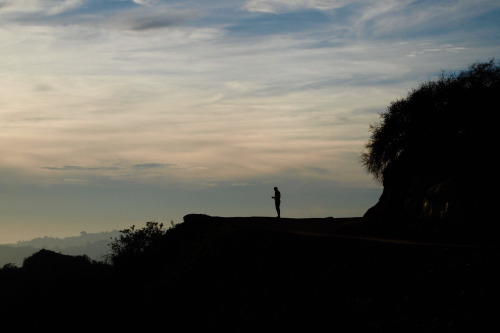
(195, 95)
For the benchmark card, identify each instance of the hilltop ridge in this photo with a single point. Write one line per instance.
(260, 274)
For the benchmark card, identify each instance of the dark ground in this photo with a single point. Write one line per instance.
(258, 274)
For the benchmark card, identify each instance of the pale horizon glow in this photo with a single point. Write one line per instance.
(119, 112)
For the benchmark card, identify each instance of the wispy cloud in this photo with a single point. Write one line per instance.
(204, 93)
(47, 7)
(80, 168)
(278, 6)
(203, 97)
(150, 17)
(147, 166)
(63, 6)
(146, 2)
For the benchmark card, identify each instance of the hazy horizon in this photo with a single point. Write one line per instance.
(119, 112)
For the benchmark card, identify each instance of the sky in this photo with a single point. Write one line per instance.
(118, 112)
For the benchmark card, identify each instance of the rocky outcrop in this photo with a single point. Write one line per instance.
(456, 203)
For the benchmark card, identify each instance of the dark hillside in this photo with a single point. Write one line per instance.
(260, 274)
(250, 278)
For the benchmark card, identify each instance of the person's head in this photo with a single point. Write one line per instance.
(275, 188)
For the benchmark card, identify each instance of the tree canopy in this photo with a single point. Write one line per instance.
(442, 127)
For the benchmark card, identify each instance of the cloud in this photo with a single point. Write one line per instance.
(80, 168)
(114, 105)
(5, 4)
(219, 105)
(122, 166)
(63, 6)
(149, 18)
(145, 2)
(412, 19)
(279, 6)
(152, 22)
(147, 166)
(241, 184)
(47, 7)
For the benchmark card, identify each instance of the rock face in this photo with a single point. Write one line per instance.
(453, 203)
(447, 194)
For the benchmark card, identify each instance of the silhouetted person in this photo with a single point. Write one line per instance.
(277, 200)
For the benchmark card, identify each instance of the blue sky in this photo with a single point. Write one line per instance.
(117, 112)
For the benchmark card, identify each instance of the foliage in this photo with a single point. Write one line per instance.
(9, 267)
(443, 125)
(133, 242)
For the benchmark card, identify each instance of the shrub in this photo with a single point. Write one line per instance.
(132, 243)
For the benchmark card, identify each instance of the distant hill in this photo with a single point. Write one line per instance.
(94, 245)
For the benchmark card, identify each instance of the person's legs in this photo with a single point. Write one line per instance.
(277, 204)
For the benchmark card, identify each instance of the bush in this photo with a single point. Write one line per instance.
(133, 243)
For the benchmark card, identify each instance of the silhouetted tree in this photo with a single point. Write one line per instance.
(440, 124)
(134, 242)
(443, 130)
(8, 268)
